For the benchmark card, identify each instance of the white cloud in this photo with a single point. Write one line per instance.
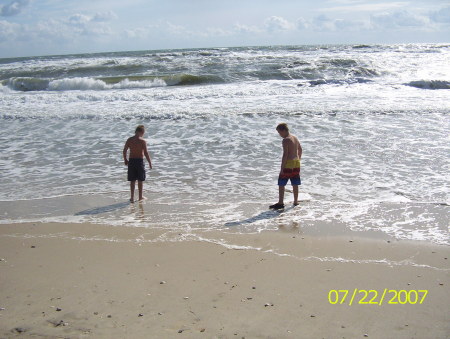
(99, 17)
(159, 29)
(55, 31)
(277, 24)
(302, 24)
(166, 29)
(367, 7)
(323, 23)
(13, 8)
(349, 25)
(79, 20)
(216, 32)
(8, 30)
(104, 16)
(245, 29)
(441, 16)
(397, 20)
(345, 1)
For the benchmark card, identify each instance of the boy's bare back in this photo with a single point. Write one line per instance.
(137, 147)
(291, 145)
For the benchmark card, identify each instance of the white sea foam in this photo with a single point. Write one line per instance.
(95, 84)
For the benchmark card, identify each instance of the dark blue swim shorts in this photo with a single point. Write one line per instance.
(136, 169)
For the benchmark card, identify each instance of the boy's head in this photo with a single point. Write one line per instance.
(283, 130)
(140, 130)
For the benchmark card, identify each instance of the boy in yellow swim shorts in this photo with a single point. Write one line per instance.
(290, 165)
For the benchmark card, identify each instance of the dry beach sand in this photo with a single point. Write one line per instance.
(98, 281)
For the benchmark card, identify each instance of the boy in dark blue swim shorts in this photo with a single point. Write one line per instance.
(136, 166)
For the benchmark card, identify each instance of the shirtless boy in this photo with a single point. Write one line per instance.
(136, 166)
(290, 165)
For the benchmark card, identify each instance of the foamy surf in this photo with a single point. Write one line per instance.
(374, 136)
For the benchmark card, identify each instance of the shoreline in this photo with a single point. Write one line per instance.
(250, 217)
(97, 281)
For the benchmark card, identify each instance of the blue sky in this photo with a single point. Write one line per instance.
(42, 27)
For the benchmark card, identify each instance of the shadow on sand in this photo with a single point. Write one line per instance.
(270, 214)
(104, 209)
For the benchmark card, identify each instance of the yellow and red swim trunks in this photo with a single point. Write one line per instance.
(291, 172)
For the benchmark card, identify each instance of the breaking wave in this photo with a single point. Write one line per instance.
(430, 84)
(105, 83)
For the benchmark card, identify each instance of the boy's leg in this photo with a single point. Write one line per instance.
(140, 187)
(281, 184)
(295, 189)
(280, 194)
(132, 185)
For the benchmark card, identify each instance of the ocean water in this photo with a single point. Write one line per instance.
(373, 121)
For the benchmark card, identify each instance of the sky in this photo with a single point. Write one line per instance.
(46, 27)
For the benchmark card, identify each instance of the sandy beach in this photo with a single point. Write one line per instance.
(98, 281)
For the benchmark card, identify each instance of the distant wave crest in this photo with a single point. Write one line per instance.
(430, 84)
(79, 83)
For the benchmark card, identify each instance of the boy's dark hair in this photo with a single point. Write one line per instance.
(283, 127)
(140, 129)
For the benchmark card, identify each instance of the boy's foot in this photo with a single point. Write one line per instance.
(296, 204)
(277, 206)
(142, 198)
(131, 201)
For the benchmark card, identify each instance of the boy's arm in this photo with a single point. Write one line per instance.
(147, 156)
(299, 150)
(285, 154)
(124, 153)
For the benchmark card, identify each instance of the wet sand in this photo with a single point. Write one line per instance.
(97, 281)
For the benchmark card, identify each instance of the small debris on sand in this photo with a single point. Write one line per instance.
(58, 323)
(19, 329)
(162, 282)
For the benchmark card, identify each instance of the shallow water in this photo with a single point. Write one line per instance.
(373, 124)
